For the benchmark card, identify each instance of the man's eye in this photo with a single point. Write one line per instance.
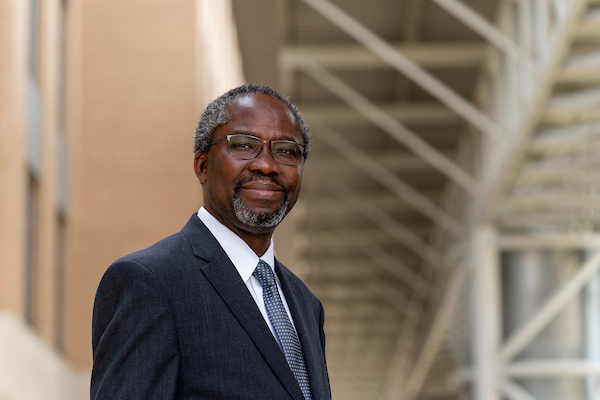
(242, 145)
(287, 151)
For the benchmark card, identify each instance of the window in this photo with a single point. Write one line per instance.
(59, 282)
(31, 248)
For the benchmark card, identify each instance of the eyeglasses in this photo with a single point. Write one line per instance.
(246, 147)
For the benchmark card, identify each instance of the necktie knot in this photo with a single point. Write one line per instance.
(264, 274)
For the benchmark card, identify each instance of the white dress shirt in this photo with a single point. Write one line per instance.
(245, 261)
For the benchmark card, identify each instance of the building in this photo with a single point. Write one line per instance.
(99, 100)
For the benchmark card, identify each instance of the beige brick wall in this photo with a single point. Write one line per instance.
(133, 183)
(139, 74)
(12, 136)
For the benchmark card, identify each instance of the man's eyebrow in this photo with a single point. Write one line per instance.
(281, 137)
(290, 138)
(242, 132)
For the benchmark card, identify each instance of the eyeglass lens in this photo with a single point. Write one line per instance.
(247, 147)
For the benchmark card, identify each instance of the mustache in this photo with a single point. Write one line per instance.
(270, 179)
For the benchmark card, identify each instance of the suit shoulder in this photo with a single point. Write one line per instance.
(171, 246)
(158, 259)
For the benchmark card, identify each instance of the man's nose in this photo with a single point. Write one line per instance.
(264, 161)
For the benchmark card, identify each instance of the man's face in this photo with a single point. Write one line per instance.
(251, 195)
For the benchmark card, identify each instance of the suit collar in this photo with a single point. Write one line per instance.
(241, 255)
(204, 244)
(221, 273)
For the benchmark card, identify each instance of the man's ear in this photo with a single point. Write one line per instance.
(201, 166)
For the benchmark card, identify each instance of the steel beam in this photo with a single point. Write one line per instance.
(488, 31)
(330, 205)
(550, 204)
(536, 369)
(392, 265)
(357, 57)
(397, 268)
(414, 114)
(401, 162)
(388, 224)
(541, 26)
(398, 131)
(560, 168)
(561, 219)
(432, 343)
(590, 27)
(551, 241)
(385, 177)
(407, 67)
(587, 98)
(515, 152)
(560, 8)
(582, 69)
(394, 384)
(517, 341)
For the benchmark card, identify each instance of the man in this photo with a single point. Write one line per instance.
(208, 313)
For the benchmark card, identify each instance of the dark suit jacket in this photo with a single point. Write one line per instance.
(176, 321)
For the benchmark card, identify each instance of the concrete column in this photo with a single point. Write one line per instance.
(485, 314)
(591, 300)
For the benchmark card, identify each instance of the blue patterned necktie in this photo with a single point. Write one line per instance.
(284, 330)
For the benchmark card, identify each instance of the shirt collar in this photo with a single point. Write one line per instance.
(241, 255)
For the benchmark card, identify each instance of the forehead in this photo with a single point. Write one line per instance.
(261, 110)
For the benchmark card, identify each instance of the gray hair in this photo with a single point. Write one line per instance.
(217, 114)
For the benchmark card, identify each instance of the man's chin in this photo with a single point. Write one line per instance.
(259, 218)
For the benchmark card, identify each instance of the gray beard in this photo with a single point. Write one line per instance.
(249, 218)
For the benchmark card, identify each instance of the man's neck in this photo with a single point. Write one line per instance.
(258, 239)
(259, 243)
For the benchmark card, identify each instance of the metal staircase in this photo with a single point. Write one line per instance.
(443, 130)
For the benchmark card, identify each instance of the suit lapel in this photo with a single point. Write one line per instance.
(221, 273)
(308, 331)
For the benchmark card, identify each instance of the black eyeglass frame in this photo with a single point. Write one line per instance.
(228, 137)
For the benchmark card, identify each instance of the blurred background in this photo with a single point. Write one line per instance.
(449, 219)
